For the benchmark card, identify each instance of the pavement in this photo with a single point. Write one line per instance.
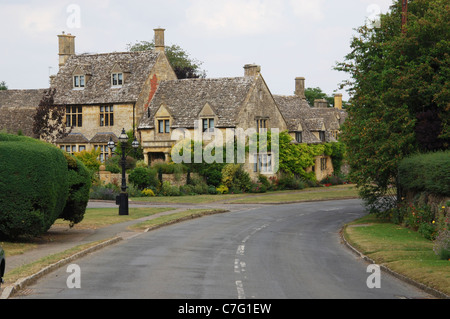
(61, 238)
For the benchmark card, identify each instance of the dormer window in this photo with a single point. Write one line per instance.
(322, 136)
(208, 125)
(79, 81)
(116, 79)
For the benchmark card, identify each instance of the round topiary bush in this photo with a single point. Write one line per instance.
(33, 185)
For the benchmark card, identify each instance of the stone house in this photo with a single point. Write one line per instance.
(17, 108)
(236, 103)
(312, 125)
(224, 103)
(104, 93)
(139, 91)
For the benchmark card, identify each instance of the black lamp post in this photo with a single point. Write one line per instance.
(122, 199)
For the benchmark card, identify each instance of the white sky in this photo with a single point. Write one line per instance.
(288, 38)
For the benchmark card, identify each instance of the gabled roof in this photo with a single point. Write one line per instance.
(136, 66)
(184, 100)
(17, 108)
(297, 112)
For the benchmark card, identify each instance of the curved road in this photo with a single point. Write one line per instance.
(287, 251)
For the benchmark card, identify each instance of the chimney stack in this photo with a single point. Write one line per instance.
(251, 70)
(66, 47)
(338, 101)
(159, 40)
(300, 87)
(320, 103)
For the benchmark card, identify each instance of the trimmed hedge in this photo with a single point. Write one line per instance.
(33, 185)
(426, 173)
(79, 178)
(39, 184)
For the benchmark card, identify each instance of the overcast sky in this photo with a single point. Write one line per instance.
(288, 38)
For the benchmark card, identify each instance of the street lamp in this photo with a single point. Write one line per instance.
(122, 199)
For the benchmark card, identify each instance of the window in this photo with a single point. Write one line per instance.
(104, 152)
(208, 125)
(323, 164)
(262, 163)
(261, 125)
(71, 149)
(117, 79)
(79, 81)
(163, 126)
(322, 136)
(106, 115)
(74, 116)
(298, 137)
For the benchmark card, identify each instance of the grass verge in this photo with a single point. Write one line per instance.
(172, 218)
(307, 194)
(94, 218)
(32, 268)
(400, 249)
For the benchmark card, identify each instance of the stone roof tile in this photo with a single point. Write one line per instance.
(136, 67)
(185, 99)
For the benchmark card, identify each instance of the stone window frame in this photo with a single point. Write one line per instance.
(105, 152)
(72, 148)
(322, 136)
(74, 116)
(106, 116)
(263, 163)
(262, 124)
(208, 120)
(299, 136)
(79, 81)
(119, 80)
(163, 123)
(323, 163)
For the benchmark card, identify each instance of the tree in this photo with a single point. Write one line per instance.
(3, 86)
(183, 66)
(317, 94)
(48, 121)
(399, 92)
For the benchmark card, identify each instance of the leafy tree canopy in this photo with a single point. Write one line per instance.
(183, 65)
(3, 85)
(399, 92)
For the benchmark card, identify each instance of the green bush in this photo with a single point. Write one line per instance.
(143, 177)
(34, 185)
(79, 178)
(426, 173)
(236, 178)
(113, 164)
(290, 181)
(169, 190)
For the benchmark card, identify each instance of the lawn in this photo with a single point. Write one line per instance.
(102, 217)
(307, 194)
(401, 250)
(93, 218)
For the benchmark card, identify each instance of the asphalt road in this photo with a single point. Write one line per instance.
(290, 251)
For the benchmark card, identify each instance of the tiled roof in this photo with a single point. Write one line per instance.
(136, 67)
(17, 108)
(297, 111)
(73, 138)
(185, 99)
